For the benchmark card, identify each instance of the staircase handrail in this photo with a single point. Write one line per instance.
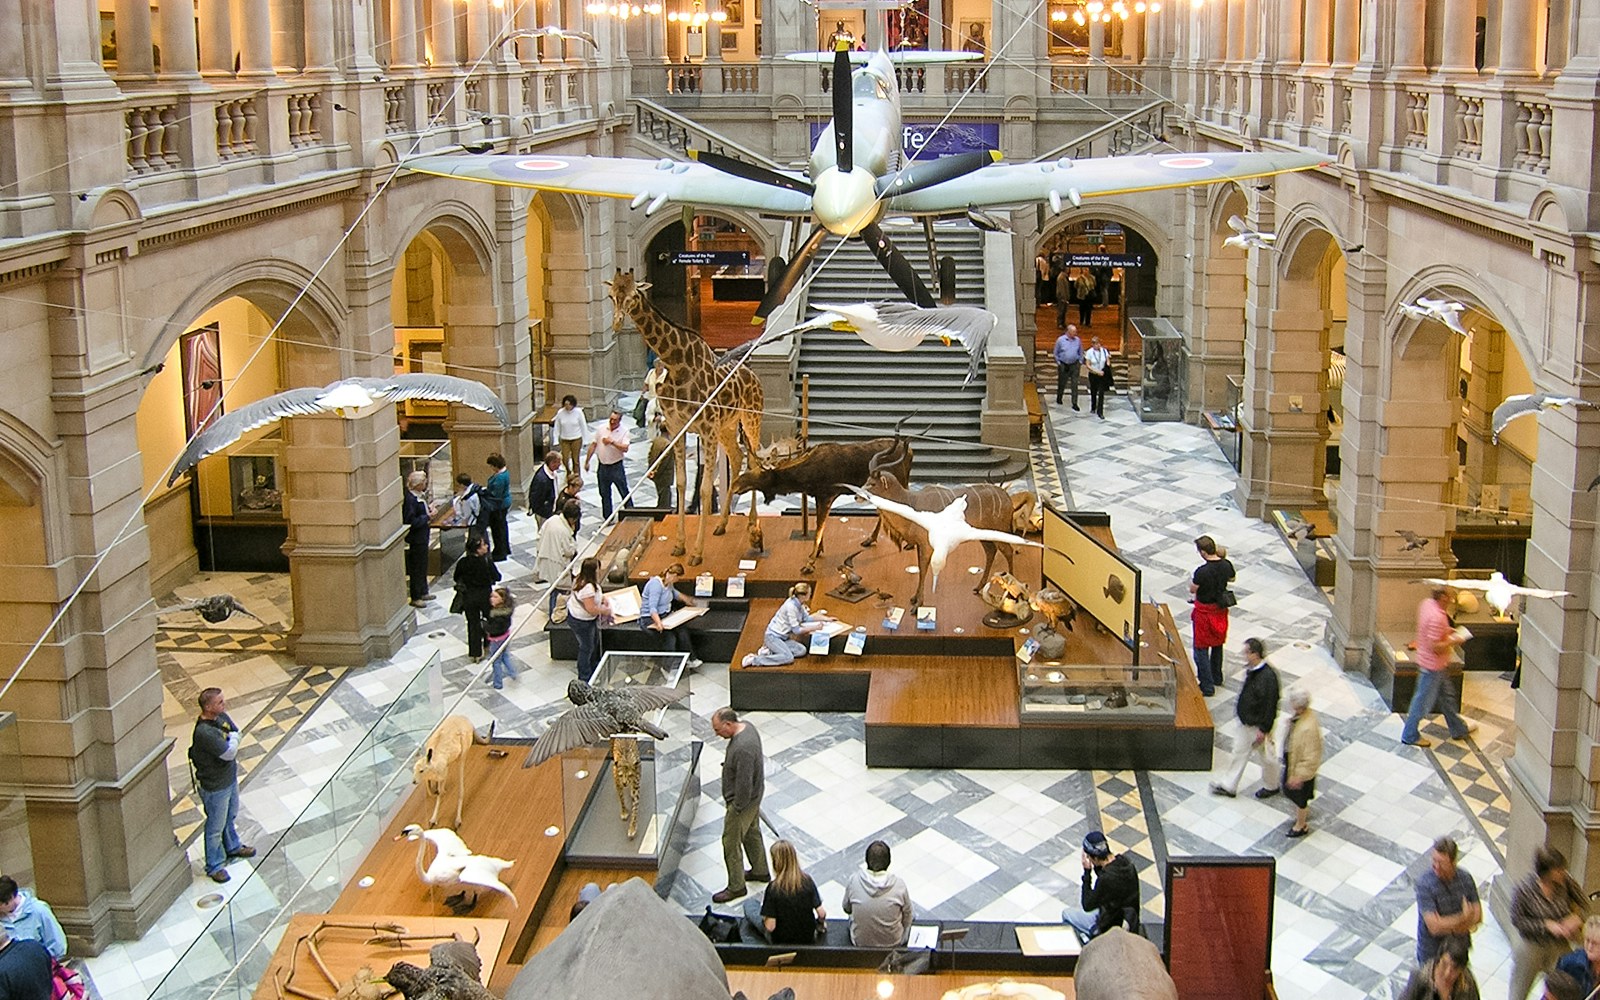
(1079, 148)
(649, 117)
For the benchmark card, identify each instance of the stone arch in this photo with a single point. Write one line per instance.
(752, 223)
(1216, 345)
(270, 285)
(463, 233)
(1449, 281)
(27, 469)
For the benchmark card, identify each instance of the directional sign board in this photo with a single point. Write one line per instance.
(709, 258)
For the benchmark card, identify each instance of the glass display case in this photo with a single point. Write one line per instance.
(244, 480)
(1164, 378)
(433, 459)
(1097, 693)
(668, 782)
(1224, 423)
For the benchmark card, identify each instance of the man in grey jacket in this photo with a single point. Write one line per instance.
(743, 782)
(216, 774)
(878, 903)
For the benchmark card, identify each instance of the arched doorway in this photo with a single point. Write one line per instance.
(709, 277)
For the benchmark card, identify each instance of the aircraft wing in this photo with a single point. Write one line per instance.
(618, 177)
(1020, 183)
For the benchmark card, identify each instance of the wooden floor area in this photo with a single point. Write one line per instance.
(819, 984)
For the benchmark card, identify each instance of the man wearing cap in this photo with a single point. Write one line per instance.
(1110, 889)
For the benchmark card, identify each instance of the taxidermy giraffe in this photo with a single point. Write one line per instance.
(692, 373)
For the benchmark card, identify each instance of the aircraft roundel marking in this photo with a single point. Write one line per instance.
(542, 163)
(1186, 162)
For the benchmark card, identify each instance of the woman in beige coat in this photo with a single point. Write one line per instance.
(1302, 756)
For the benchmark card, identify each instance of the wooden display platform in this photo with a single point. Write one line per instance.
(811, 984)
(345, 951)
(489, 826)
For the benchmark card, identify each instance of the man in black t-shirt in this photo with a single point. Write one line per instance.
(24, 969)
(1209, 585)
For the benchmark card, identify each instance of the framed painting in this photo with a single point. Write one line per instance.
(108, 38)
(201, 354)
(973, 36)
(735, 11)
(730, 41)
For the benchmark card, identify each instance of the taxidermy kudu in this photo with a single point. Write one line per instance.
(824, 473)
(447, 746)
(989, 507)
(693, 372)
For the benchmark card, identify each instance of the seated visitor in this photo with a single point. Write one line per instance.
(878, 902)
(790, 911)
(1110, 889)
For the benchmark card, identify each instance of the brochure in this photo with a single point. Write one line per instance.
(891, 621)
(927, 617)
(736, 586)
(856, 642)
(704, 585)
(625, 605)
(819, 643)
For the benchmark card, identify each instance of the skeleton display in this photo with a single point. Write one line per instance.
(364, 984)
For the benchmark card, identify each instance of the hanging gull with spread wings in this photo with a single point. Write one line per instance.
(1441, 310)
(895, 327)
(214, 609)
(346, 397)
(1246, 238)
(858, 173)
(946, 529)
(1525, 403)
(1497, 590)
(598, 714)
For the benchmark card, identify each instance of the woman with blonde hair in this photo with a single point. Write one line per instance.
(790, 912)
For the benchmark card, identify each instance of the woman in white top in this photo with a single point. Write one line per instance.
(792, 621)
(569, 427)
(1098, 360)
(584, 608)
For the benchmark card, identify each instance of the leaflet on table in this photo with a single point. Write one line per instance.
(891, 621)
(927, 617)
(924, 936)
(625, 605)
(682, 615)
(856, 642)
(833, 627)
(736, 586)
(747, 564)
(1029, 647)
(819, 643)
(704, 584)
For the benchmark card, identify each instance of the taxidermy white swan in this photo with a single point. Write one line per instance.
(455, 866)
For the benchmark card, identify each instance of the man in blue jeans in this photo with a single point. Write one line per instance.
(216, 773)
(611, 445)
(1068, 353)
(1435, 641)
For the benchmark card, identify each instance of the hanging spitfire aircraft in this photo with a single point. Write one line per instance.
(857, 174)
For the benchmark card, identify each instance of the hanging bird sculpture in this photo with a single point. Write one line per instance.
(895, 327)
(1497, 590)
(214, 609)
(945, 529)
(1525, 403)
(1246, 238)
(346, 397)
(1440, 310)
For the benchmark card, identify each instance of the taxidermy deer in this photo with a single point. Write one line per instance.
(447, 746)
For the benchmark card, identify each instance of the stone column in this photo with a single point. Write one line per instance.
(1557, 46)
(1236, 29)
(1285, 426)
(319, 36)
(1458, 49)
(1315, 49)
(1097, 41)
(1410, 36)
(216, 38)
(528, 19)
(135, 55)
(255, 53)
(480, 29)
(403, 53)
(1346, 32)
(1519, 54)
(444, 33)
(179, 56)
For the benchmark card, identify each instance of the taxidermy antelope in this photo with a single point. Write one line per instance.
(448, 745)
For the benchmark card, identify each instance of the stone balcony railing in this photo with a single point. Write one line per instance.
(1472, 134)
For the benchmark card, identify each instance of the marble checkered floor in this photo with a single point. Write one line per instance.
(983, 845)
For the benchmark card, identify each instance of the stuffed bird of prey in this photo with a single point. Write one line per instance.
(598, 714)
(1246, 238)
(214, 609)
(946, 529)
(1497, 590)
(1525, 403)
(896, 327)
(345, 397)
(1441, 310)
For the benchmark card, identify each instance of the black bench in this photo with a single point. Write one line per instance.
(715, 634)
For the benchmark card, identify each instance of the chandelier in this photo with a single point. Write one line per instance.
(697, 16)
(1085, 11)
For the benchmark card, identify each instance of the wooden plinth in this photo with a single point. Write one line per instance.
(819, 985)
(345, 951)
(508, 808)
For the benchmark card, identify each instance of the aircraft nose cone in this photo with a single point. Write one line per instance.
(845, 202)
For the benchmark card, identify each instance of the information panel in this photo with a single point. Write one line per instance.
(1219, 926)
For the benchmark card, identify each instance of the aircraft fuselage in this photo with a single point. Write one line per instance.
(844, 202)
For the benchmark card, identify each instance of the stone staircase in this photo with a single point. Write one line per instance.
(858, 392)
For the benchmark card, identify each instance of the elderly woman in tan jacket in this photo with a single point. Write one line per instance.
(1302, 756)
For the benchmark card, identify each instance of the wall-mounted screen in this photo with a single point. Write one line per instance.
(1094, 577)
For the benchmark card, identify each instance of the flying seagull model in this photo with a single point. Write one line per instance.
(598, 714)
(1441, 310)
(1497, 590)
(1525, 403)
(1246, 238)
(345, 397)
(858, 173)
(214, 609)
(946, 529)
(895, 327)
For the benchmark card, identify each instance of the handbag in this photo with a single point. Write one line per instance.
(1228, 598)
(65, 982)
(456, 604)
(720, 928)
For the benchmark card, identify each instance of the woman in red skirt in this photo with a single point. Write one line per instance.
(1211, 600)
